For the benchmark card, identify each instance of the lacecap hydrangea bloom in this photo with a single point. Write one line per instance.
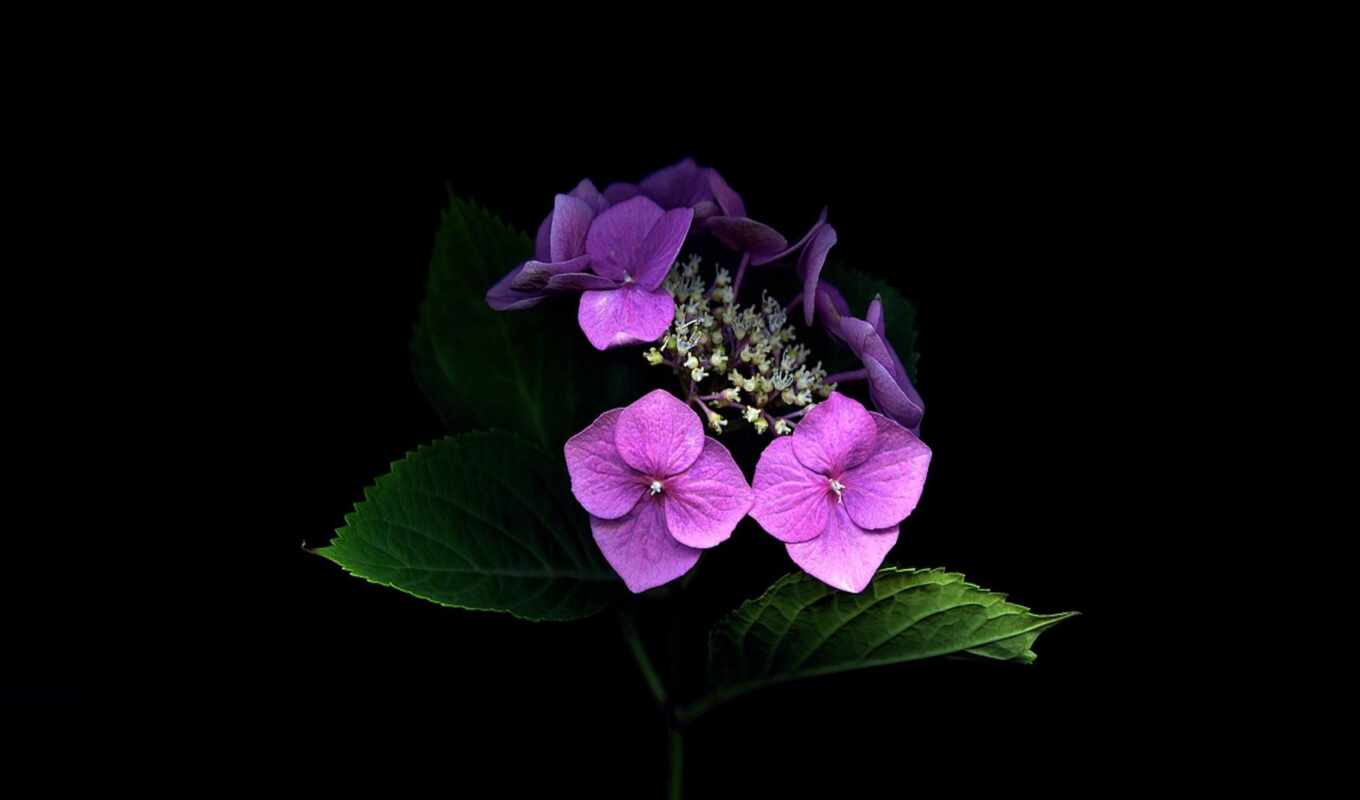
(659, 492)
(835, 491)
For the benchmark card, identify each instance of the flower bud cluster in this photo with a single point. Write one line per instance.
(739, 362)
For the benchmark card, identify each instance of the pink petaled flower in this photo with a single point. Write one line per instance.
(658, 490)
(835, 491)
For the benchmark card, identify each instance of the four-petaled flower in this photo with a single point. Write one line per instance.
(658, 490)
(560, 260)
(889, 385)
(631, 248)
(835, 491)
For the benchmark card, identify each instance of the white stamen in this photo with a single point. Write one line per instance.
(838, 488)
(655, 487)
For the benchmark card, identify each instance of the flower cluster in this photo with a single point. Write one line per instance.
(744, 360)
(658, 491)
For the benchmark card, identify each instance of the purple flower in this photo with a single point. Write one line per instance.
(835, 491)
(560, 261)
(631, 247)
(681, 185)
(658, 491)
(889, 385)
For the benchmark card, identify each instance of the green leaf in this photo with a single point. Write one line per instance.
(481, 521)
(801, 627)
(531, 372)
(899, 316)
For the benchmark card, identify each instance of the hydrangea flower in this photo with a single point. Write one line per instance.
(631, 247)
(836, 489)
(889, 385)
(659, 492)
(560, 260)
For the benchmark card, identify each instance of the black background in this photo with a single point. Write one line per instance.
(1016, 230)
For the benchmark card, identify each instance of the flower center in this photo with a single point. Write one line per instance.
(838, 488)
(627, 279)
(655, 488)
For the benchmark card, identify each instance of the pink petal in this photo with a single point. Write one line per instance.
(845, 556)
(705, 502)
(790, 500)
(640, 549)
(835, 435)
(659, 435)
(617, 235)
(883, 490)
(603, 484)
(658, 251)
(810, 265)
(570, 221)
(625, 316)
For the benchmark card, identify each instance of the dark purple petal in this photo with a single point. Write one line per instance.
(681, 185)
(729, 202)
(659, 435)
(535, 275)
(625, 316)
(791, 501)
(836, 435)
(810, 264)
(616, 193)
(745, 235)
(542, 240)
(640, 548)
(579, 282)
(816, 226)
(585, 190)
(657, 252)
(845, 556)
(883, 490)
(874, 316)
(617, 236)
(570, 221)
(706, 501)
(831, 308)
(504, 297)
(895, 396)
(603, 484)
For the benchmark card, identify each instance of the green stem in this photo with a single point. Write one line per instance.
(644, 661)
(677, 763)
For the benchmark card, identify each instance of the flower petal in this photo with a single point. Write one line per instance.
(619, 191)
(629, 315)
(810, 264)
(535, 275)
(657, 252)
(586, 191)
(894, 395)
(845, 556)
(640, 549)
(729, 202)
(571, 220)
(542, 239)
(503, 296)
(793, 248)
(874, 316)
(883, 490)
(790, 500)
(603, 484)
(836, 434)
(705, 502)
(617, 235)
(745, 235)
(579, 282)
(681, 185)
(659, 435)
